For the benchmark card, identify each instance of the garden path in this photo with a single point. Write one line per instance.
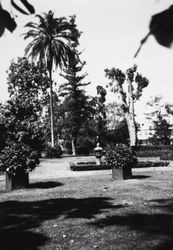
(60, 168)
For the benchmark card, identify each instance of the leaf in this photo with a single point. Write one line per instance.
(6, 21)
(2, 26)
(18, 8)
(9, 22)
(161, 27)
(28, 6)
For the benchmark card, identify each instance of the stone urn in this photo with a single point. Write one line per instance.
(98, 152)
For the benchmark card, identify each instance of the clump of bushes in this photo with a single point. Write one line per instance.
(120, 156)
(51, 152)
(18, 158)
(84, 146)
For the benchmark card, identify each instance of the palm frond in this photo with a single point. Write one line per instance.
(51, 39)
(31, 25)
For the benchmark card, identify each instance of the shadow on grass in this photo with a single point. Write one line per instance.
(45, 185)
(21, 221)
(160, 224)
(140, 176)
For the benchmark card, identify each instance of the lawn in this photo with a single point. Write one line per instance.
(88, 210)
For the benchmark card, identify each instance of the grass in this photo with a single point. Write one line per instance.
(90, 212)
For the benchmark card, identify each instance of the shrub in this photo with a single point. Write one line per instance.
(51, 152)
(153, 150)
(68, 147)
(154, 147)
(168, 156)
(148, 164)
(120, 156)
(161, 151)
(89, 166)
(16, 158)
(85, 146)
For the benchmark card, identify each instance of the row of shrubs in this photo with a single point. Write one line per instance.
(154, 147)
(86, 147)
(89, 166)
(149, 164)
(162, 151)
(86, 166)
(165, 152)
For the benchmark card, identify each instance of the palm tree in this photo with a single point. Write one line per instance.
(51, 44)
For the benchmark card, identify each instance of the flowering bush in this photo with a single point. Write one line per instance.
(16, 158)
(120, 156)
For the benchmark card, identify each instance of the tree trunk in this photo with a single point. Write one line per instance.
(132, 130)
(73, 146)
(51, 111)
(130, 116)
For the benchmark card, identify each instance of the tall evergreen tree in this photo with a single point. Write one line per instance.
(100, 113)
(75, 98)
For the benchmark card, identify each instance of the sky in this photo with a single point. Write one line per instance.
(112, 30)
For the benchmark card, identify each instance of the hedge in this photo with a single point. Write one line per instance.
(88, 166)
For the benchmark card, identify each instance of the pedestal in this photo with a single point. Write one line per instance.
(18, 181)
(123, 173)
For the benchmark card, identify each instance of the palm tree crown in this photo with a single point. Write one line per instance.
(52, 39)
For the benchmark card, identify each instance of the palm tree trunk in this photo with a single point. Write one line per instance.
(130, 117)
(73, 146)
(51, 111)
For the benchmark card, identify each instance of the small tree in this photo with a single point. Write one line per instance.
(159, 112)
(162, 132)
(154, 107)
(21, 116)
(128, 86)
